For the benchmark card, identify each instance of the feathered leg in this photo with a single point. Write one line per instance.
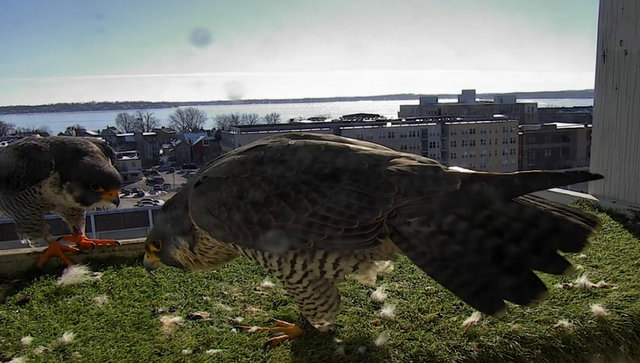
(318, 301)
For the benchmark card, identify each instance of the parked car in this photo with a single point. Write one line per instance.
(155, 180)
(166, 168)
(149, 202)
(189, 166)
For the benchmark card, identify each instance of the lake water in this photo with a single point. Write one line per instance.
(96, 120)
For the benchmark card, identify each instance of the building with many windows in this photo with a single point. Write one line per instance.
(555, 145)
(467, 105)
(485, 145)
(489, 144)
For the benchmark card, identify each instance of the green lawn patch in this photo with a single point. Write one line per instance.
(119, 316)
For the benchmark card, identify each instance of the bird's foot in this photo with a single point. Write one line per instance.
(285, 331)
(56, 249)
(83, 242)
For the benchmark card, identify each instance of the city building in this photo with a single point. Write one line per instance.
(489, 144)
(555, 145)
(577, 114)
(129, 165)
(145, 143)
(484, 145)
(468, 105)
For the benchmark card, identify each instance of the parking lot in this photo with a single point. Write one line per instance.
(148, 193)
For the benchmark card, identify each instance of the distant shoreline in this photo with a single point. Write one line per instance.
(142, 105)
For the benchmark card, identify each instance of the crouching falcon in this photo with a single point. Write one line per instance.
(314, 208)
(58, 174)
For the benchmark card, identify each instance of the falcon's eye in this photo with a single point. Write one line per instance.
(94, 187)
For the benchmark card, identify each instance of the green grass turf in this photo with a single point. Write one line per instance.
(427, 326)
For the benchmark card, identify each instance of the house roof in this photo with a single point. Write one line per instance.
(194, 137)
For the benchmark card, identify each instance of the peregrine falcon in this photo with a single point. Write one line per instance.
(59, 174)
(313, 208)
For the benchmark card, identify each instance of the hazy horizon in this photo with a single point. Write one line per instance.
(73, 51)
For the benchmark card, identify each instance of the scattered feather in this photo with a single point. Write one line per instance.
(76, 274)
(472, 320)
(253, 329)
(186, 351)
(579, 267)
(238, 320)
(340, 351)
(388, 311)
(379, 295)
(101, 300)
(362, 349)
(40, 349)
(599, 310)
(582, 282)
(266, 284)
(169, 323)
(213, 351)
(233, 331)
(582, 255)
(382, 338)
(24, 341)
(76, 356)
(564, 324)
(18, 360)
(67, 338)
(369, 274)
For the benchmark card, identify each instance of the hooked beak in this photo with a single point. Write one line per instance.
(151, 263)
(111, 196)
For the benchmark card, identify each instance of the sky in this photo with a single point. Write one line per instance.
(188, 50)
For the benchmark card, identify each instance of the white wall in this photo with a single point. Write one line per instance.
(615, 150)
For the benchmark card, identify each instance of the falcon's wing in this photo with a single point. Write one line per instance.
(291, 191)
(24, 164)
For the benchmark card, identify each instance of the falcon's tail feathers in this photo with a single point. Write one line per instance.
(486, 251)
(511, 185)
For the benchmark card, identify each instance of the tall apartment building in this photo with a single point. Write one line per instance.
(488, 144)
(485, 145)
(467, 105)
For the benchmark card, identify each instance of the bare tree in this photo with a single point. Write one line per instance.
(187, 119)
(5, 127)
(126, 122)
(42, 130)
(146, 121)
(224, 122)
(249, 119)
(271, 118)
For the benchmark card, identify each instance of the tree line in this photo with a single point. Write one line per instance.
(190, 119)
(187, 119)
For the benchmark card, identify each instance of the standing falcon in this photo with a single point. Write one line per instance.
(59, 174)
(313, 208)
